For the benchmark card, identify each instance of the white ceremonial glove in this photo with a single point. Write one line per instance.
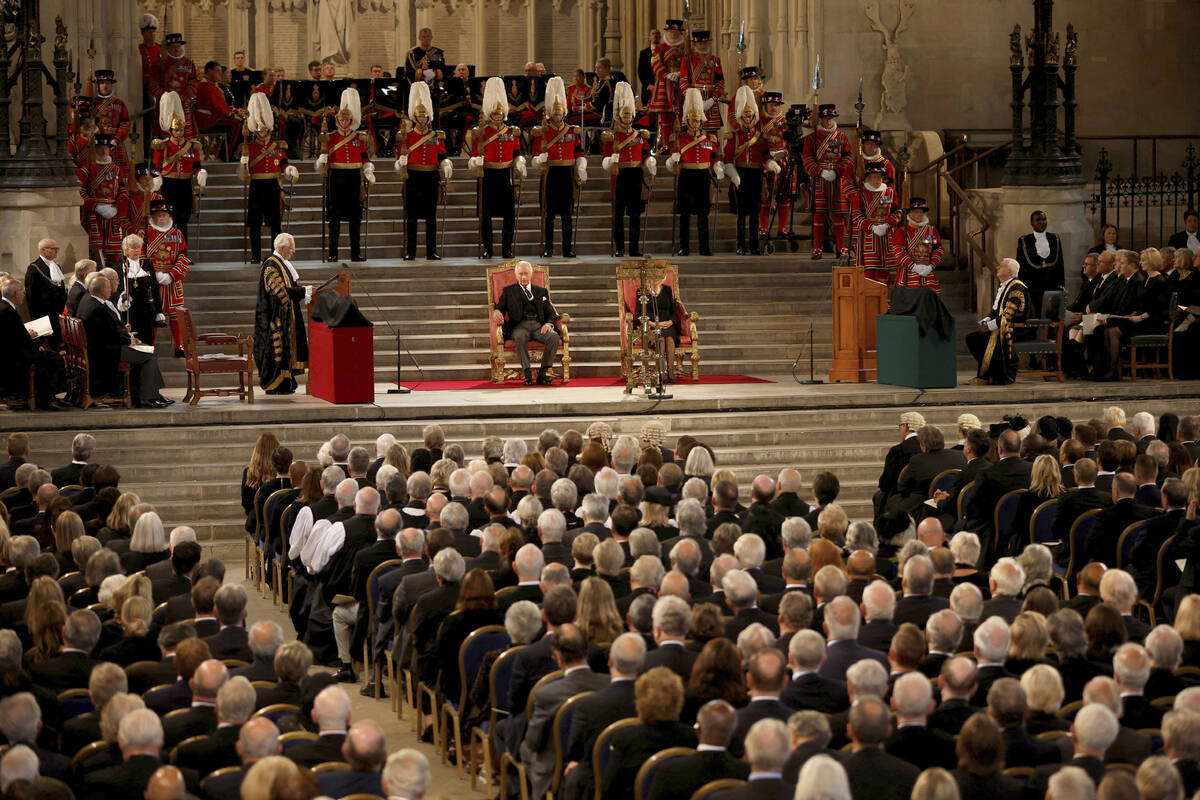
(581, 169)
(880, 230)
(672, 76)
(719, 170)
(308, 293)
(123, 303)
(778, 154)
(447, 169)
(708, 104)
(673, 162)
(163, 278)
(292, 173)
(202, 178)
(156, 183)
(922, 269)
(429, 74)
(522, 170)
(652, 165)
(322, 160)
(475, 162)
(160, 318)
(401, 163)
(244, 160)
(828, 175)
(606, 163)
(772, 166)
(540, 160)
(369, 172)
(107, 211)
(731, 172)
(244, 168)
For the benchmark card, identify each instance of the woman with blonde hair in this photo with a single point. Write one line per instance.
(66, 527)
(597, 614)
(264, 774)
(148, 545)
(1045, 484)
(1028, 639)
(934, 783)
(1187, 625)
(397, 456)
(260, 469)
(1045, 693)
(45, 616)
(117, 526)
(137, 643)
(658, 698)
(832, 523)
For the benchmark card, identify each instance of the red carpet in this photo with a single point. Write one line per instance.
(443, 386)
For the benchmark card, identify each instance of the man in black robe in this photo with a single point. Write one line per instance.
(1040, 255)
(992, 343)
(46, 287)
(21, 351)
(280, 339)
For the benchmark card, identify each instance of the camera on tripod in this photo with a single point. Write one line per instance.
(793, 134)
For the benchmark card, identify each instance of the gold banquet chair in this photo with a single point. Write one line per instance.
(499, 278)
(629, 311)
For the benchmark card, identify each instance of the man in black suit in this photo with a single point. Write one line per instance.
(750, 551)
(147, 676)
(1072, 504)
(897, 459)
(231, 640)
(766, 678)
(72, 667)
(387, 525)
(17, 447)
(525, 312)
(22, 351)
(1009, 708)
(681, 778)
(141, 739)
(412, 588)
(810, 736)
(110, 344)
(1040, 255)
(1145, 471)
(331, 713)
(956, 685)
(1186, 238)
(46, 288)
(913, 740)
(918, 602)
(672, 621)
(455, 518)
(807, 689)
(724, 500)
(1009, 473)
(432, 609)
(787, 495)
(21, 723)
(264, 640)
(1092, 733)
(760, 518)
(645, 70)
(184, 558)
(257, 739)
(796, 569)
(1143, 561)
(991, 641)
(934, 459)
(366, 752)
(1005, 582)
(878, 607)
(552, 528)
(1101, 544)
(409, 548)
(874, 773)
(768, 745)
(1131, 670)
(107, 680)
(741, 594)
(235, 704)
(488, 555)
(528, 565)
(535, 661)
(841, 623)
(201, 718)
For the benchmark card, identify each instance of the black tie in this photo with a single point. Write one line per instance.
(528, 293)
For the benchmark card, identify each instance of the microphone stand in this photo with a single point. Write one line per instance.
(812, 380)
(398, 389)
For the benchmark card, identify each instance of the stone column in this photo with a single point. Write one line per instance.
(612, 35)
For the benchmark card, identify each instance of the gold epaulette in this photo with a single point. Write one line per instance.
(607, 136)
(645, 134)
(537, 131)
(362, 135)
(441, 136)
(158, 144)
(405, 127)
(575, 129)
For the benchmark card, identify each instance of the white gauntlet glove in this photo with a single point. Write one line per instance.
(652, 166)
(922, 269)
(163, 278)
(106, 211)
(123, 303)
(292, 173)
(156, 183)
(880, 229)
(322, 160)
(401, 163)
(607, 163)
(160, 318)
(521, 168)
(731, 172)
(540, 160)
(308, 293)
(672, 76)
(828, 175)
(708, 104)
(673, 162)
(447, 169)
(778, 154)
(772, 166)
(719, 170)
(369, 172)
(581, 169)
(475, 162)
(202, 177)
(429, 74)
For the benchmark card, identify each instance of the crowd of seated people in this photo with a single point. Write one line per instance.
(918, 654)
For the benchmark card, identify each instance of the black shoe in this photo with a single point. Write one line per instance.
(345, 675)
(160, 323)
(633, 253)
(618, 254)
(529, 377)
(150, 404)
(369, 691)
(545, 254)
(409, 257)
(544, 379)
(568, 254)
(178, 352)
(741, 251)
(58, 405)
(507, 253)
(166, 400)
(683, 251)
(357, 260)
(668, 378)
(433, 256)
(332, 257)
(486, 254)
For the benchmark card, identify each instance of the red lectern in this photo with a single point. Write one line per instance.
(856, 301)
(341, 360)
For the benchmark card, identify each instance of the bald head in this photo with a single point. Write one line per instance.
(789, 480)
(717, 720)
(930, 532)
(1090, 576)
(763, 489)
(257, 739)
(166, 784)
(331, 709)
(210, 676)
(365, 749)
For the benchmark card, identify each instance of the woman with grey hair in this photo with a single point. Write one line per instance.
(1069, 639)
(148, 545)
(1036, 560)
(700, 463)
(822, 778)
(965, 548)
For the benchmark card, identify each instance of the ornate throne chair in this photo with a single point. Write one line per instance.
(497, 279)
(629, 311)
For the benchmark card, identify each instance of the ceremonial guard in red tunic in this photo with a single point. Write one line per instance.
(776, 197)
(626, 155)
(752, 77)
(746, 156)
(581, 109)
(264, 165)
(111, 114)
(667, 61)
(702, 70)
(166, 250)
(136, 203)
(871, 143)
(101, 184)
(826, 160)
(695, 154)
(83, 126)
(494, 152)
(424, 167)
(178, 158)
(558, 152)
(151, 55)
(916, 248)
(177, 73)
(874, 213)
(345, 163)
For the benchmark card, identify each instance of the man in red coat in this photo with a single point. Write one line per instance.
(826, 160)
(666, 62)
(702, 70)
(916, 248)
(874, 213)
(213, 114)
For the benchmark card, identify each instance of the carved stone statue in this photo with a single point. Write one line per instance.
(335, 20)
(1072, 51)
(894, 101)
(1014, 44)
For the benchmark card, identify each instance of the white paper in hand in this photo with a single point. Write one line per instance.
(143, 348)
(40, 327)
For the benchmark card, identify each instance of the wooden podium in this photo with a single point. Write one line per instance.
(339, 283)
(856, 302)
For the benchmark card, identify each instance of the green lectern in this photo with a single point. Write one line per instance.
(908, 358)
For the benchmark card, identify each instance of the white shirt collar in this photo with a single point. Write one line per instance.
(161, 230)
(134, 270)
(798, 674)
(576, 669)
(56, 273)
(709, 748)
(1000, 293)
(765, 776)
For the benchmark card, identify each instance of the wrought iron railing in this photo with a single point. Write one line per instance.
(1146, 207)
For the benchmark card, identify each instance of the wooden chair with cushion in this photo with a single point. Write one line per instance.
(1162, 343)
(499, 278)
(79, 376)
(1046, 343)
(629, 313)
(197, 363)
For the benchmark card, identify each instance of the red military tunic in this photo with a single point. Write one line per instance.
(773, 129)
(179, 75)
(497, 145)
(562, 145)
(665, 60)
(151, 62)
(827, 150)
(102, 185)
(696, 152)
(704, 72)
(868, 208)
(347, 151)
(424, 150)
(135, 207)
(167, 251)
(913, 244)
(112, 116)
(77, 147)
(746, 147)
(628, 149)
(265, 160)
(177, 158)
(579, 105)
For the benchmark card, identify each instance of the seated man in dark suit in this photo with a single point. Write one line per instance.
(525, 312)
(231, 641)
(918, 602)
(715, 720)
(873, 773)
(672, 620)
(760, 518)
(235, 704)
(257, 739)
(140, 737)
(913, 740)
(22, 351)
(841, 624)
(146, 676)
(807, 689)
(923, 467)
(1118, 590)
(331, 713)
(1101, 544)
(1009, 708)
(1085, 497)
(810, 736)
(190, 653)
(184, 558)
(1005, 581)
(1092, 733)
(292, 662)
(107, 679)
(21, 723)
(72, 667)
(956, 684)
(1009, 473)
(406, 774)
(768, 745)
(787, 495)
(264, 640)
(766, 677)
(943, 636)
(897, 459)
(741, 594)
(1131, 669)
(991, 640)
(366, 751)
(110, 344)
(751, 551)
(201, 718)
